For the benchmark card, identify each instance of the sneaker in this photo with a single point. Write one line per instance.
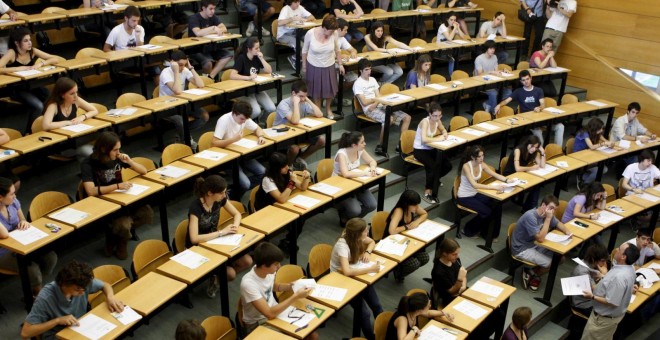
(534, 283)
(428, 198)
(250, 29)
(347, 102)
(299, 164)
(379, 151)
(525, 278)
(193, 145)
(213, 287)
(265, 32)
(292, 61)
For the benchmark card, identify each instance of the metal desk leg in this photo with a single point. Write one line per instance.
(293, 240)
(610, 116)
(299, 38)
(164, 225)
(614, 231)
(498, 330)
(224, 290)
(599, 174)
(559, 183)
(491, 226)
(386, 131)
(549, 285)
(25, 281)
(562, 87)
(518, 53)
(505, 144)
(143, 82)
(340, 95)
(357, 315)
(381, 194)
(186, 125)
(328, 141)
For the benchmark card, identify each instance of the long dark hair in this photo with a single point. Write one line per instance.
(5, 186)
(349, 138)
(522, 146)
(62, 86)
(354, 228)
(213, 184)
(592, 128)
(449, 15)
(16, 38)
(412, 303)
(379, 42)
(103, 145)
(589, 191)
(470, 153)
(595, 253)
(276, 162)
(407, 198)
(423, 59)
(247, 44)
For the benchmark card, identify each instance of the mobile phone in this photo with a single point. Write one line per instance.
(53, 227)
(283, 129)
(583, 225)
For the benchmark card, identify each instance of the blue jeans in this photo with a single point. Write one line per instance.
(357, 205)
(369, 298)
(177, 120)
(486, 211)
(492, 98)
(354, 34)
(253, 166)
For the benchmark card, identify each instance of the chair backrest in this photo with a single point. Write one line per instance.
(569, 145)
(287, 273)
(480, 116)
(388, 89)
(553, 150)
(505, 111)
(270, 119)
(503, 162)
(417, 42)
(219, 328)
(454, 190)
(357, 108)
(406, 141)
(12, 133)
(569, 98)
(179, 241)
(559, 212)
(621, 191)
(128, 99)
(381, 323)
(378, 224)
(549, 102)
(36, 124)
(486, 177)
(156, 92)
(128, 173)
(509, 232)
(159, 39)
(225, 75)
(458, 74)
(656, 235)
(273, 28)
(225, 217)
(378, 11)
(611, 194)
(114, 275)
(253, 197)
(324, 169)
(174, 152)
(437, 79)
(94, 80)
(319, 260)
(523, 65)
(205, 141)
(458, 122)
(46, 202)
(149, 255)
(504, 67)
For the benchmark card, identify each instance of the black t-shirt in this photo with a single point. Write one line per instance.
(102, 173)
(207, 221)
(263, 199)
(196, 20)
(444, 278)
(524, 161)
(345, 9)
(391, 333)
(245, 66)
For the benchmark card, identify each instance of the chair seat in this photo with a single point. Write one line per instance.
(411, 159)
(465, 209)
(525, 262)
(366, 118)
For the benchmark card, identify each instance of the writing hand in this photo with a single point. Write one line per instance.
(22, 225)
(67, 320)
(115, 305)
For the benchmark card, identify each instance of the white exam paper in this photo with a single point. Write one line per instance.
(127, 316)
(27, 72)
(149, 47)
(487, 126)
(654, 266)
(596, 103)
(473, 132)
(395, 98)
(122, 112)
(227, 240)
(437, 87)
(491, 77)
(650, 274)
(77, 127)
(545, 170)
(450, 140)
(308, 122)
(460, 42)
(329, 292)
(553, 110)
(563, 239)
(260, 79)
(648, 197)
(390, 246)
(624, 144)
(189, 259)
(606, 150)
(303, 283)
(562, 164)
(304, 201)
(325, 188)
(427, 231)
(606, 217)
(432, 332)
(210, 155)
(27, 236)
(364, 265)
(270, 132)
(555, 69)
(246, 143)
(93, 327)
(171, 171)
(134, 190)
(197, 92)
(575, 285)
(69, 215)
(487, 288)
(470, 309)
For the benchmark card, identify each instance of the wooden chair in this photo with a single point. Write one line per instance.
(437, 79)
(253, 197)
(324, 169)
(549, 102)
(485, 177)
(620, 190)
(174, 152)
(656, 235)
(523, 65)
(219, 328)
(128, 99)
(225, 75)
(37, 125)
(611, 194)
(569, 98)
(459, 74)
(414, 42)
(361, 117)
(94, 80)
(61, 35)
(553, 150)
(460, 211)
(12, 133)
(561, 208)
(515, 262)
(47, 202)
(280, 48)
(287, 273)
(180, 235)
(505, 111)
(381, 323)
(161, 39)
(149, 255)
(115, 276)
(406, 145)
(378, 225)
(504, 67)
(205, 141)
(225, 218)
(270, 120)
(129, 173)
(569, 145)
(319, 260)
(503, 162)
(458, 122)
(480, 116)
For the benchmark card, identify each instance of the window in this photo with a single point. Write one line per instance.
(651, 81)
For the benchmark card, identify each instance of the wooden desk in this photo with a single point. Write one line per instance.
(413, 247)
(266, 333)
(113, 56)
(489, 300)
(35, 141)
(24, 249)
(514, 121)
(80, 63)
(463, 321)
(161, 103)
(367, 180)
(488, 127)
(251, 237)
(399, 99)
(80, 12)
(583, 233)
(43, 73)
(420, 92)
(345, 185)
(637, 199)
(352, 286)
(170, 181)
(189, 276)
(95, 124)
(640, 298)
(150, 292)
(655, 287)
(470, 134)
(189, 42)
(210, 93)
(227, 156)
(120, 119)
(11, 24)
(290, 329)
(95, 208)
(224, 37)
(231, 85)
(245, 151)
(322, 200)
(125, 199)
(8, 80)
(6, 157)
(629, 208)
(151, 49)
(589, 156)
(573, 164)
(499, 196)
(531, 179)
(440, 227)
(265, 78)
(325, 122)
(369, 279)
(104, 313)
(269, 220)
(460, 335)
(41, 17)
(279, 137)
(558, 250)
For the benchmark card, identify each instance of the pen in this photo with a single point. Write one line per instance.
(450, 331)
(300, 328)
(248, 241)
(45, 138)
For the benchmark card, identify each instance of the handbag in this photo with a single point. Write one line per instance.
(524, 17)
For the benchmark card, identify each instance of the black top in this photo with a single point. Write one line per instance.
(345, 9)
(60, 117)
(16, 63)
(391, 333)
(263, 199)
(402, 222)
(92, 170)
(207, 221)
(245, 66)
(524, 161)
(444, 278)
(196, 20)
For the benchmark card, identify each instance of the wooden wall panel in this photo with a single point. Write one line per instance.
(641, 7)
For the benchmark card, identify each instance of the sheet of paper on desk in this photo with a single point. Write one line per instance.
(307, 23)
(69, 215)
(122, 112)
(4, 21)
(512, 37)
(390, 247)
(575, 285)
(648, 197)
(364, 265)
(27, 73)
(473, 132)
(134, 190)
(197, 92)
(487, 288)
(246, 143)
(595, 103)
(459, 41)
(615, 208)
(624, 144)
(562, 164)
(395, 98)
(639, 142)
(261, 79)
(470, 309)
(427, 231)
(555, 69)
(127, 316)
(189, 259)
(149, 47)
(213, 36)
(507, 74)
(607, 150)
(310, 122)
(553, 110)
(632, 298)
(325, 188)
(491, 77)
(654, 265)
(437, 87)
(303, 283)
(210, 155)
(294, 316)
(171, 171)
(107, 7)
(93, 327)
(227, 240)
(77, 127)
(606, 217)
(487, 126)
(650, 274)
(329, 292)
(304, 201)
(270, 132)
(450, 141)
(378, 172)
(398, 50)
(546, 170)
(27, 236)
(431, 332)
(563, 239)
(508, 187)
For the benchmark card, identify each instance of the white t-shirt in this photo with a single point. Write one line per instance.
(340, 250)
(558, 21)
(120, 40)
(254, 288)
(268, 185)
(288, 13)
(488, 29)
(344, 44)
(349, 164)
(167, 75)
(441, 32)
(4, 41)
(320, 54)
(640, 179)
(644, 253)
(226, 127)
(367, 88)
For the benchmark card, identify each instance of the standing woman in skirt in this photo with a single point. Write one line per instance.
(319, 55)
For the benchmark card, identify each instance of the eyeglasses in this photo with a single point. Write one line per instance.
(296, 314)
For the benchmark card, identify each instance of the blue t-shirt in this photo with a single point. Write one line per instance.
(580, 142)
(412, 80)
(12, 222)
(285, 107)
(527, 100)
(528, 225)
(568, 213)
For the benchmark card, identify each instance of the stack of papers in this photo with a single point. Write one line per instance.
(487, 126)
(197, 92)
(308, 122)
(607, 150)
(457, 82)
(365, 265)
(553, 110)
(77, 127)
(329, 293)
(470, 309)
(246, 143)
(648, 197)
(27, 236)
(395, 98)
(122, 112)
(27, 73)
(562, 239)
(596, 103)
(544, 171)
(134, 190)
(427, 231)
(189, 259)
(575, 285)
(473, 132)
(108, 7)
(261, 79)
(487, 288)
(149, 47)
(93, 327)
(304, 201)
(296, 317)
(378, 172)
(491, 77)
(171, 171)
(437, 87)
(210, 155)
(459, 41)
(450, 141)
(127, 316)
(303, 283)
(398, 50)
(431, 332)
(390, 246)
(69, 215)
(227, 240)
(507, 74)
(654, 266)
(649, 277)
(325, 188)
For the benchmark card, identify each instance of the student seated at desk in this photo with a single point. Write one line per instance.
(190, 330)
(101, 174)
(100, 28)
(204, 23)
(628, 127)
(348, 9)
(365, 89)
(406, 215)
(591, 137)
(527, 156)
(290, 111)
(292, 13)
(545, 57)
(354, 246)
(639, 176)
(377, 41)
(21, 56)
(648, 250)
(471, 169)
(497, 26)
(349, 157)
(431, 130)
(447, 32)
(62, 110)
(249, 61)
(520, 320)
(257, 287)
(5, 167)
(533, 226)
(596, 260)
(404, 324)
(420, 75)
(203, 223)
(172, 82)
(5, 9)
(461, 4)
(62, 302)
(591, 196)
(344, 45)
(229, 129)
(12, 218)
(485, 64)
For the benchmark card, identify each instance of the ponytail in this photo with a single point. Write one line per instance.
(349, 138)
(213, 184)
(413, 303)
(470, 153)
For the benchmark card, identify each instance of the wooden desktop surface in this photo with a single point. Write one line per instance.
(489, 300)
(244, 151)
(323, 199)
(371, 279)
(269, 220)
(413, 247)
(346, 185)
(95, 208)
(150, 292)
(212, 163)
(126, 199)
(161, 103)
(583, 233)
(104, 313)
(352, 286)
(250, 238)
(113, 119)
(463, 321)
(189, 276)
(170, 181)
(558, 247)
(32, 142)
(290, 329)
(96, 125)
(24, 249)
(283, 136)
